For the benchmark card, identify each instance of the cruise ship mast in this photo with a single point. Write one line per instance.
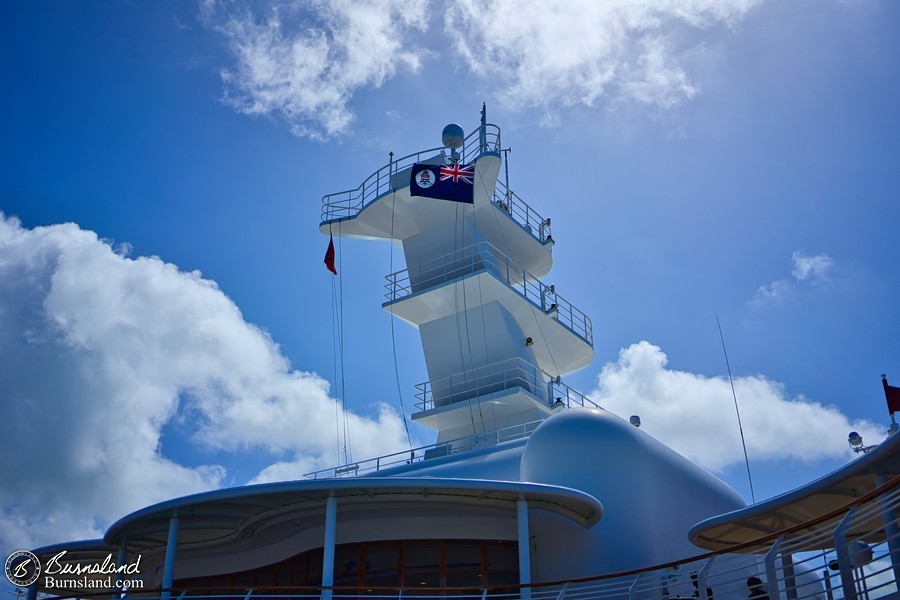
(496, 338)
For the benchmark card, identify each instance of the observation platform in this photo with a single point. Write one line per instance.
(381, 206)
(507, 391)
(561, 335)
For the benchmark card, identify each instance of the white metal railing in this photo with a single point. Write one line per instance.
(507, 374)
(408, 457)
(514, 373)
(481, 256)
(347, 204)
(522, 213)
(570, 398)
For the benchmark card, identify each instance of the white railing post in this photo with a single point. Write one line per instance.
(891, 531)
(771, 573)
(632, 591)
(562, 592)
(701, 579)
(843, 553)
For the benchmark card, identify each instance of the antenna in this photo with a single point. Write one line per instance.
(737, 411)
(482, 129)
(453, 137)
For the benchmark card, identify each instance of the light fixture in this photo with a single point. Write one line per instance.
(529, 342)
(635, 420)
(856, 443)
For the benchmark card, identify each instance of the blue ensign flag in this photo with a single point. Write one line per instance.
(444, 182)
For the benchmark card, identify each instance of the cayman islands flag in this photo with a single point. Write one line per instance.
(444, 182)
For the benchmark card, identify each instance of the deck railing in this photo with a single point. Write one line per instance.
(478, 257)
(347, 204)
(415, 455)
(852, 553)
(503, 375)
(522, 213)
(548, 389)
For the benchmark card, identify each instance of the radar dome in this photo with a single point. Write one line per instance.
(453, 136)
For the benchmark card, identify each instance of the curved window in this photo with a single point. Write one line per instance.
(367, 565)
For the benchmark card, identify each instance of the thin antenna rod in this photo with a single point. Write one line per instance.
(736, 410)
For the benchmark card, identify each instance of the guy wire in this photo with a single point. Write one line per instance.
(737, 410)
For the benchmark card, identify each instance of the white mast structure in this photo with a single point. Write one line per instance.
(496, 338)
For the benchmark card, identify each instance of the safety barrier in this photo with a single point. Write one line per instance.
(485, 256)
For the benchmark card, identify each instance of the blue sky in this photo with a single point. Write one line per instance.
(697, 159)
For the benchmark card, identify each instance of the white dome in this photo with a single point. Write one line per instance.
(651, 495)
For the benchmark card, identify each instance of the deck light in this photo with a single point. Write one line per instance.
(856, 442)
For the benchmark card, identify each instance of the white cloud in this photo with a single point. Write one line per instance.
(549, 53)
(100, 351)
(772, 292)
(695, 415)
(302, 62)
(810, 268)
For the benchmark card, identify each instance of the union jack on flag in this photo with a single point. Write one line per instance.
(458, 173)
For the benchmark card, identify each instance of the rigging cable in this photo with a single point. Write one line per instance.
(458, 241)
(348, 450)
(466, 307)
(334, 356)
(393, 337)
(737, 410)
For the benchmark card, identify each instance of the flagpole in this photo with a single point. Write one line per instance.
(888, 393)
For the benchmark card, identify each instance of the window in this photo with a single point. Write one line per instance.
(409, 563)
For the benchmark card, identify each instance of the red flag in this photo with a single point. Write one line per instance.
(329, 255)
(892, 395)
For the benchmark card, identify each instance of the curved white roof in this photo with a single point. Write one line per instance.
(832, 492)
(217, 517)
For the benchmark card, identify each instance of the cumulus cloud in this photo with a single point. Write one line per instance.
(695, 414)
(302, 62)
(100, 352)
(806, 270)
(566, 52)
